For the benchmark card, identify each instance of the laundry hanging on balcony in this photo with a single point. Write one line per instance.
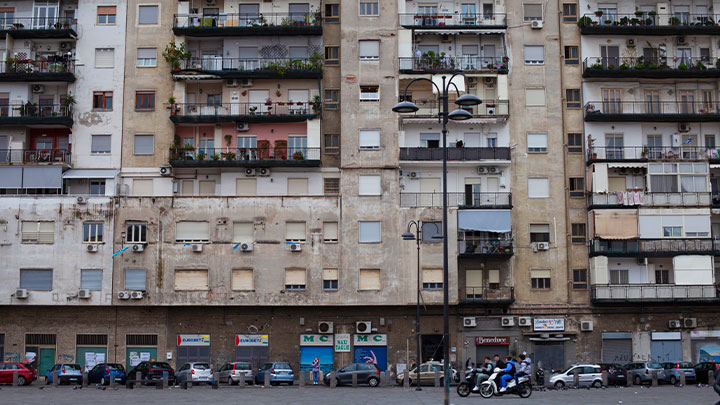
(484, 221)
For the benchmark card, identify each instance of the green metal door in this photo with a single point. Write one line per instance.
(81, 356)
(47, 360)
(137, 354)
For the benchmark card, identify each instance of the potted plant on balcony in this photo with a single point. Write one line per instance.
(229, 155)
(624, 21)
(252, 109)
(215, 157)
(674, 21)
(200, 155)
(263, 149)
(281, 149)
(17, 25)
(315, 60)
(173, 53)
(638, 13)
(68, 104)
(634, 21)
(298, 156)
(700, 66)
(228, 140)
(316, 104)
(598, 13)
(644, 152)
(584, 21)
(174, 151)
(682, 66)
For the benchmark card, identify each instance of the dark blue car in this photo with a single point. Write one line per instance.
(100, 374)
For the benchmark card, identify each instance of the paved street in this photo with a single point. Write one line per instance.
(349, 396)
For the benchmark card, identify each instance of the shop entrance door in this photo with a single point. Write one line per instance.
(551, 354)
(432, 347)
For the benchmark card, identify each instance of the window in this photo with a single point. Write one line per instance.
(148, 15)
(100, 144)
(331, 185)
(207, 187)
(332, 55)
(662, 276)
(431, 231)
(532, 12)
(369, 185)
(104, 57)
(332, 99)
(135, 279)
(147, 57)
(432, 279)
(332, 13)
(619, 276)
(534, 54)
(537, 142)
(369, 50)
(572, 98)
(7, 18)
(369, 93)
(145, 100)
(330, 232)
(578, 233)
(683, 177)
(540, 279)
(191, 280)
(142, 187)
(538, 187)
(36, 279)
(369, 280)
(243, 232)
(91, 279)
(494, 279)
(295, 279)
(103, 100)
(244, 187)
(330, 279)
(535, 97)
(539, 233)
(192, 231)
(295, 232)
(92, 232)
(575, 143)
(242, 280)
(297, 186)
(612, 101)
(144, 144)
(369, 8)
(570, 12)
(572, 55)
(577, 187)
(136, 233)
(708, 101)
(97, 187)
(38, 232)
(710, 142)
(369, 232)
(106, 15)
(332, 143)
(369, 139)
(672, 231)
(580, 279)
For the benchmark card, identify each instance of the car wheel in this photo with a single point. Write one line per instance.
(233, 382)
(597, 384)
(673, 380)
(637, 380)
(559, 384)
(21, 380)
(373, 382)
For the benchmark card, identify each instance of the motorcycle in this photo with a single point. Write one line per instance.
(465, 388)
(523, 387)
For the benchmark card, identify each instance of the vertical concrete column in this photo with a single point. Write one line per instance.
(112, 381)
(682, 379)
(629, 379)
(138, 377)
(354, 380)
(711, 377)
(604, 377)
(55, 378)
(654, 378)
(165, 380)
(15, 379)
(333, 380)
(437, 378)
(406, 379)
(85, 379)
(267, 378)
(302, 375)
(241, 383)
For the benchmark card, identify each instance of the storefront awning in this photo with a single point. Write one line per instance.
(627, 165)
(484, 220)
(715, 166)
(11, 177)
(42, 177)
(90, 174)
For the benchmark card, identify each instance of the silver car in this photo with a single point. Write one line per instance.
(641, 372)
(195, 372)
(232, 372)
(588, 374)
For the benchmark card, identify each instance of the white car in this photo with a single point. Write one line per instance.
(589, 374)
(195, 373)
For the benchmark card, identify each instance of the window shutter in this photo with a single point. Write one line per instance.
(369, 231)
(533, 12)
(144, 144)
(330, 231)
(36, 279)
(534, 53)
(369, 49)
(330, 274)
(369, 139)
(538, 188)
(207, 187)
(242, 280)
(142, 187)
(539, 273)
(539, 228)
(494, 276)
(295, 277)
(247, 52)
(134, 279)
(246, 187)
(369, 279)
(537, 142)
(243, 232)
(432, 276)
(46, 232)
(147, 53)
(101, 143)
(369, 185)
(297, 186)
(187, 187)
(295, 231)
(535, 97)
(473, 278)
(148, 14)
(298, 52)
(106, 10)
(104, 57)
(191, 280)
(91, 279)
(191, 231)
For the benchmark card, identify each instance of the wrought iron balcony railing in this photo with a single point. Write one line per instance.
(486, 247)
(627, 199)
(57, 64)
(25, 156)
(651, 110)
(279, 65)
(455, 153)
(250, 109)
(653, 247)
(488, 294)
(447, 63)
(488, 109)
(37, 23)
(453, 19)
(692, 65)
(249, 155)
(648, 19)
(252, 20)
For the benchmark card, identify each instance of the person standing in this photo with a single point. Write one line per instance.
(316, 370)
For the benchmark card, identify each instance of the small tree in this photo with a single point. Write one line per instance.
(173, 53)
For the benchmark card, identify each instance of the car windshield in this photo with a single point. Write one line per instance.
(160, 365)
(242, 366)
(115, 367)
(72, 367)
(201, 366)
(654, 365)
(283, 366)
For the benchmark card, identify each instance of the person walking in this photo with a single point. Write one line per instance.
(316, 370)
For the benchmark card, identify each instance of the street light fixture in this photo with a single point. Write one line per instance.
(465, 100)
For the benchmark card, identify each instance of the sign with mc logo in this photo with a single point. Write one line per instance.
(370, 340)
(316, 340)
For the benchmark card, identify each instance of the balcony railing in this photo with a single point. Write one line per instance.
(452, 20)
(648, 20)
(485, 247)
(250, 112)
(37, 23)
(24, 156)
(280, 66)
(652, 292)
(664, 111)
(487, 294)
(455, 153)
(31, 113)
(653, 247)
(619, 153)
(245, 155)
(650, 67)
(489, 108)
(463, 200)
(628, 199)
(452, 63)
(231, 23)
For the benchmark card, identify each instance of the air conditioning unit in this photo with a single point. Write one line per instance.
(630, 42)
(472, 82)
(137, 248)
(38, 88)
(445, 38)
(165, 170)
(536, 25)
(246, 82)
(690, 323)
(197, 248)
(136, 295)
(242, 126)
(21, 293)
(586, 326)
(325, 327)
(674, 324)
(81, 200)
(92, 248)
(542, 245)
(524, 321)
(84, 294)
(247, 247)
(294, 247)
(681, 41)
(250, 172)
(363, 327)
(489, 81)
(123, 295)
(469, 322)
(231, 83)
(641, 261)
(682, 128)
(508, 321)
(263, 172)
(492, 169)
(481, 170)
(414, 175)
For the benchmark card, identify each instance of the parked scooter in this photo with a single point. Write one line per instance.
(465, 388)
(491, 387)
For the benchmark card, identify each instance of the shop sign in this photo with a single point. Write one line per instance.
(193, 340)
(549, 324)
(342, 342)
(316, 340)
(370, 340)
(252, 340)
(492, 340)
(700, 334)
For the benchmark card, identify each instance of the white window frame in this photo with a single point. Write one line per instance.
(194, 238)
(369, 96)
(133, 229)
(101, 50)
(146, 62)
(369, 185)
(537, 179)
(93, 230)
(367, 5)
(159, 14)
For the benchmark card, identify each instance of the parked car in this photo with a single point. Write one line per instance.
(673, 371)
(280, 372)
(616, 374)
(427, 374)
(367, 373)
(701, 371)
(232, 372)
(195, 372)
(589, 374)
(67, 373)
(26, 375)
(152, 371)
(100, 374)
(642, 372)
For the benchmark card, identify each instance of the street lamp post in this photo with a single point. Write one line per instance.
(410, 236)
(444, 115)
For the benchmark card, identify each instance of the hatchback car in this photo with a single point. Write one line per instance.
(280, 373)
(642, 372)
(367, 373)
(100, 374)
(702, 368)
(232, 372)
(673, 370)
(25, 375)
(616, 374)
(195, 372)
(67, 373)
(427, 374)
(153, 371)
(588, 374)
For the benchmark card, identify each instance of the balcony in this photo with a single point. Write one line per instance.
(641, 111)
(39, 28)
(455, 154)
(32, 114)
(475, 247)
(278, 156)
(487, 295)
(432, 63)
(627, 200)
(645, 153)
(201, 113)
(628, 293)
(53, 69)
(461, 200)
(649, 24)
(225, 25)
(488, 110)
(660, 68)
(454, 20)
(35, 156)
(653, 247)
(236, 68)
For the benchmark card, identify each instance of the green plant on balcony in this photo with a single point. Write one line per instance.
(700, 65)
(263, 146)
(175, 151)
(316, 104)
(430, 59)
(624, 21)
(645, 151)
(596, 66)
(281, 149)
(228, 155)
(639, 65)
(598, 13)
(584, 21)
(608, 22)
(316, 60)
(30, 109)
(624, 66)
(200, 155)
(287, 21)
(652, 66)
(682, 66)
(173, 53)
(252, 109)
(638, 13)
(228, 140)
(215, 157)
(674, 21)
(298, 156)
(634, 21)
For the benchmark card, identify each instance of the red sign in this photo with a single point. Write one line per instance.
(492, 340)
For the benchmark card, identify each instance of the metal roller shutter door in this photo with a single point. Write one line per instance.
(617, 350)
